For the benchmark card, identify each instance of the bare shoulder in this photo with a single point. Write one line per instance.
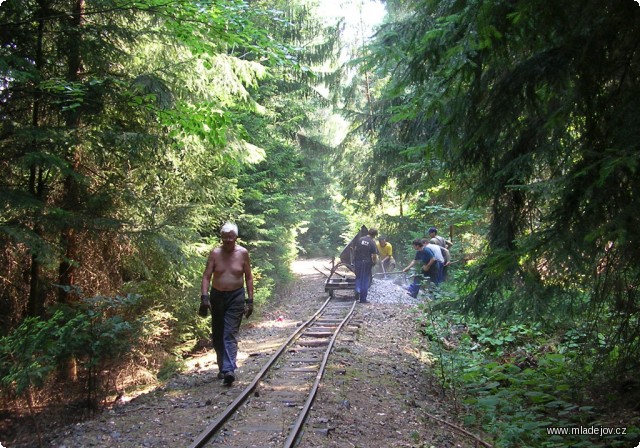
(215, 254)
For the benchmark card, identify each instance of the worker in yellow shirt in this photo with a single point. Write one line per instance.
(385, 250)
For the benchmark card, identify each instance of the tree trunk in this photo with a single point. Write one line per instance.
(71, 192)
(71, 195)
(35, 303)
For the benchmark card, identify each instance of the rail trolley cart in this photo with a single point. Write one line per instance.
(342, 275)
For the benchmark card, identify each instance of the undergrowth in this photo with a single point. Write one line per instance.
(519, 384)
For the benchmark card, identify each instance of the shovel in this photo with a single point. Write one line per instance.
(389, 273)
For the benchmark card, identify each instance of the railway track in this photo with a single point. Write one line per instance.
(272, 409)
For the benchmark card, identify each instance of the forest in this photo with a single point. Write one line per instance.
(132, 130)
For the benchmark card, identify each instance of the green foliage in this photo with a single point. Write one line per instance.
(123, 128)
(519, 109)
(517, 381)
(29, 355)
(96, 334)
(287, 205)
(170, 367)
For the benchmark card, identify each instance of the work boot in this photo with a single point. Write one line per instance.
(229, 378)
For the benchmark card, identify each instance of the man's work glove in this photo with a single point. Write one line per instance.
(248, 309)
(205, 305)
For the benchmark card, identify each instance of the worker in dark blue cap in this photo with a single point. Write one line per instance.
(445, 245)
(433, 233)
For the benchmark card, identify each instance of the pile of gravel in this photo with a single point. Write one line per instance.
(391, 291)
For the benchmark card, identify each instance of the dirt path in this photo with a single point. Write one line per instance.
(377, 392)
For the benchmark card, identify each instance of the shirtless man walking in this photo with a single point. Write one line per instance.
(230, 267)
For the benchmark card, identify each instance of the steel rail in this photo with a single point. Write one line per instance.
(292, 439)
(214, 426)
